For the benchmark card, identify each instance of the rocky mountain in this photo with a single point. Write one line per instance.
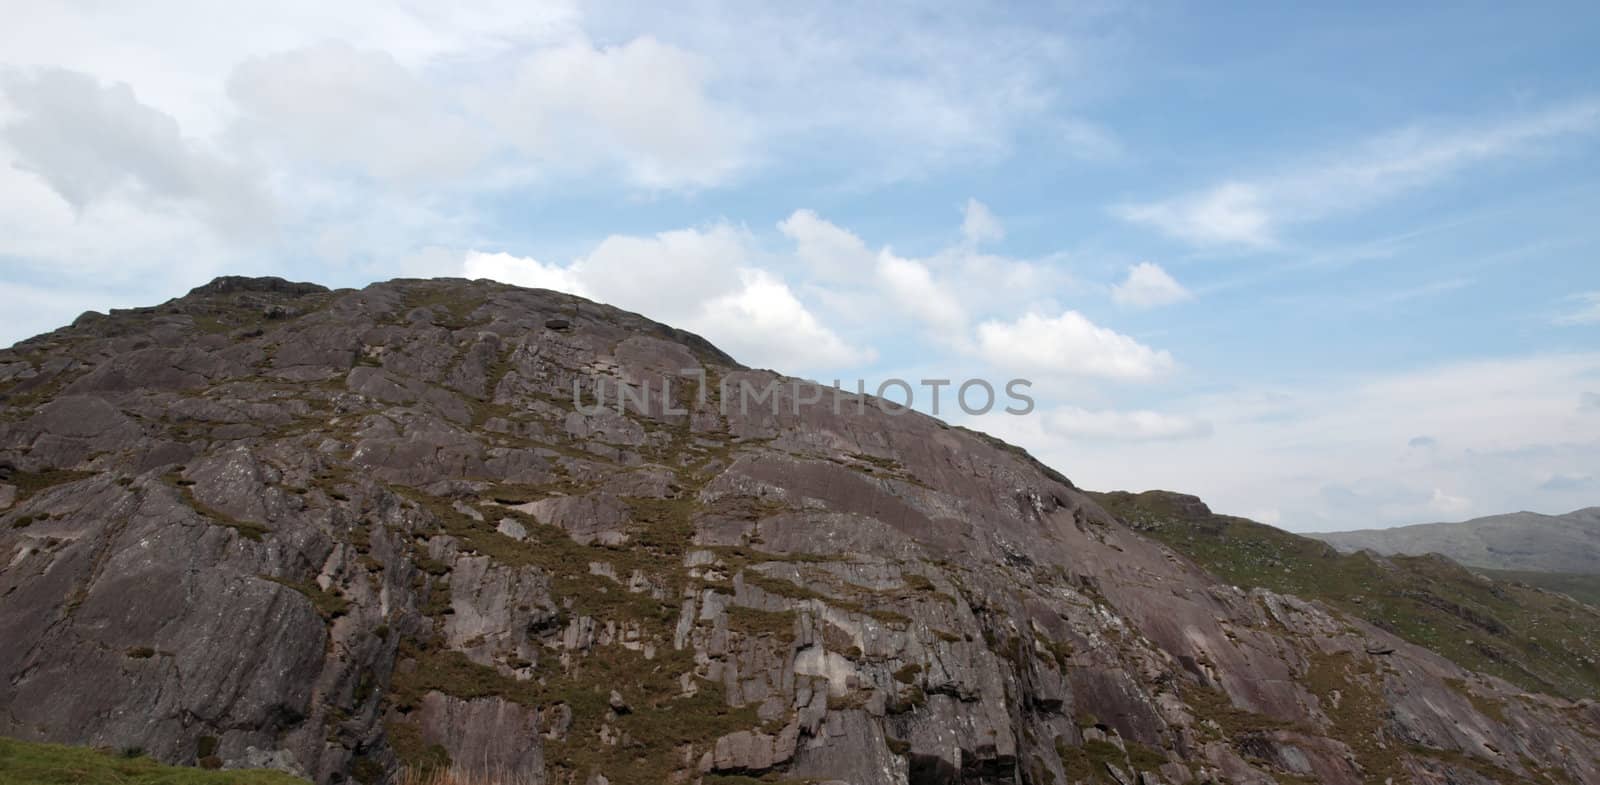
(1526, 541)
(347, 533)
(1540, 640)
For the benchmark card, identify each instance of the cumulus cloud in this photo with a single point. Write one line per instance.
(766, 325)
(704, 280)
(92, 141)
(911, 286)
(1148, 286)
(1069, 344)
(668, 274)
(944, 290)
(721, 280)
(522, 271)
(824, 249)
(1251, 212)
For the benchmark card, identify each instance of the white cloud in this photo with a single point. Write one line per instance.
(911, 286)
(1068, 344)
(174, 52)
(521, 271)
(979, 225)
(787, 309)
(1148, 286)
(1587, 311)
(1231, 213)
(1251, 212)
(642, 106)
(92, 142)
(942, 290)
(331, 104)
(344, 142)
(704, 280)
(764, 325)
(1142, 425)
(639, 111)
(905, 96)
(668, 275)
(824, 249)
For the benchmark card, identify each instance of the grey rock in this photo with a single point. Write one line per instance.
(358, 530)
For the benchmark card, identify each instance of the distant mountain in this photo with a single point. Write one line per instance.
(1523, 541)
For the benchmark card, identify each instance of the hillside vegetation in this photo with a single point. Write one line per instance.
(25, 763)
(1579, 586)
(1536, 639)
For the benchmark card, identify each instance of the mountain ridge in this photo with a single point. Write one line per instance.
(349, 534)
(1519, 541)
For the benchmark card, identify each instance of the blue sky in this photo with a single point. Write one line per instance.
(1331, 268)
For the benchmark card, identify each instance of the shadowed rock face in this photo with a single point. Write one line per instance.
(341, 532)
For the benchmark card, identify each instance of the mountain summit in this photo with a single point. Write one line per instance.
(347, 533)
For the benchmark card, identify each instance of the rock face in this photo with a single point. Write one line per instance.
(340, 533)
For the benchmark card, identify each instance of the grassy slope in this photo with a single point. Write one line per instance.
(1538, 640)
(1583, 588)
(26, 763)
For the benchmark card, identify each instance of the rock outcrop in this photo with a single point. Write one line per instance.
(343, 532)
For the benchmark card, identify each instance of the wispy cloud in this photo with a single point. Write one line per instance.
(1587, 310)
(1148, 286)
(1253, 211)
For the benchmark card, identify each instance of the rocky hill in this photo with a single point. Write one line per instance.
(1540, 640)
(1525, 541)
(345, 533)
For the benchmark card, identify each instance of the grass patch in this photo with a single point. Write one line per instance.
(1578, 586)
(756, 622)
(1087, 762)
(30, 484)
(26, 763)
(328, 604)
(248, 529)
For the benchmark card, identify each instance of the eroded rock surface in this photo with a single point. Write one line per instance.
(344, 532)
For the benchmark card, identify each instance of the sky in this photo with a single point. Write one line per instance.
(1326, 267)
